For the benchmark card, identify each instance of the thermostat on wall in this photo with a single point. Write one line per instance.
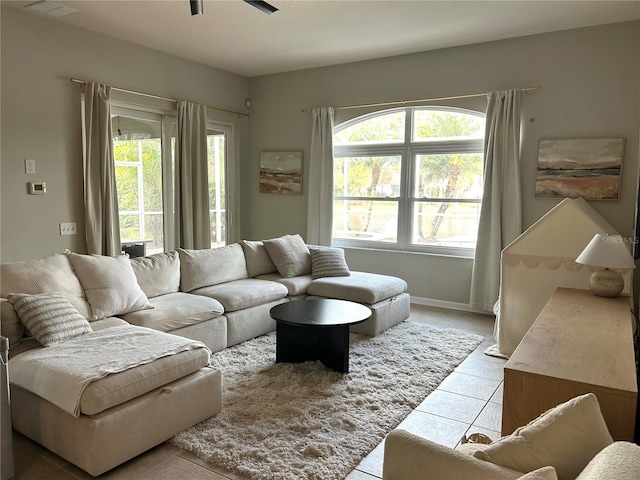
(37, 188)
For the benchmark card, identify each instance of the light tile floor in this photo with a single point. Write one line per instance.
(468, 401)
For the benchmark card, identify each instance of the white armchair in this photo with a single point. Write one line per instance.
(569, 442)
(410, 457)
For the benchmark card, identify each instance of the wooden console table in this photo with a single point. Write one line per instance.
(579, 343)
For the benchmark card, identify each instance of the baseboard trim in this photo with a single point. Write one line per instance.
(432, 302)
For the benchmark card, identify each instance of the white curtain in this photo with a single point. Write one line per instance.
(501, 211)
(102, 225)
(320, 196)
(191, 178)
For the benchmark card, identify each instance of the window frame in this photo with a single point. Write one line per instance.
(167, 114)
(408, 150)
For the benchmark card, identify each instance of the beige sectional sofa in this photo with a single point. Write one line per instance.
(212, 299)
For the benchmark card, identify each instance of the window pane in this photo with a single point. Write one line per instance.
(440, 124)
(216, 153)
(152, 174)
(127, 129)
(451, 224)
(453, 175)
(137, 149)
(365, 220)
(387, 128)
(127, 188)
(130, 227)
(153, 231)
(367, 176)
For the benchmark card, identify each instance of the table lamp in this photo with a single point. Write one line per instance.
(608, 251)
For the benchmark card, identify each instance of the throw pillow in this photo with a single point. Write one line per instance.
(50, 317)
(328, 262)
(53, 273)
(258, 260)
(290, 255)
(566, 437)
(109, 284)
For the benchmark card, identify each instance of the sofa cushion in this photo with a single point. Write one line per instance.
(359, 287)
(618, 461)
(566, 437)
(118, 388)
(175, 310)
(202, 268)
(258, 260)
(109, 284)
(108, 322)
(158, 274)
(328, 262)
(245, 293)
(49, 274)
(295, 285)
(289, 254)
(50, 317)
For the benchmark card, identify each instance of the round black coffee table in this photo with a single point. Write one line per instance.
(310, 330)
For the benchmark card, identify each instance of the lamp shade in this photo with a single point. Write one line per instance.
(608, 251)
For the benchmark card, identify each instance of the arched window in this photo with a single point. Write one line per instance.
(409, 179)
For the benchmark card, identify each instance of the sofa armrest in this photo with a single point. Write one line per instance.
(409, 457)
(618, 461)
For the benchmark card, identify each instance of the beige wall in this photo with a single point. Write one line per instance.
(590, 87)
(590, 80)
(41, 118)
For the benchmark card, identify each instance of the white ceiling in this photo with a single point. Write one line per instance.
(234, 36)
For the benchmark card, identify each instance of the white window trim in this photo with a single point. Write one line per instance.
(406, 150)
(232, 165)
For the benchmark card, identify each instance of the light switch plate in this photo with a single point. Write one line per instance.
(68, 229)
(29, 166)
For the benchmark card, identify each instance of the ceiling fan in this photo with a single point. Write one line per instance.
(197, 6)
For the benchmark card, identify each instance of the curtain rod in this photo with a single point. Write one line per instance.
(432, 99)
(75, 80)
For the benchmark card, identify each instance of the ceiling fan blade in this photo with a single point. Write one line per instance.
(262, 6)
(196, 7)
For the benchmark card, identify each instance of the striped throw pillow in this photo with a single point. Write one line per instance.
(328, 262)
(50, 317)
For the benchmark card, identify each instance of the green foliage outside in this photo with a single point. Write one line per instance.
(145, 155)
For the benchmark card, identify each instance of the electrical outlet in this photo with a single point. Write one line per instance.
(68, 229)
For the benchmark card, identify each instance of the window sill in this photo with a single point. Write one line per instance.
(463, 254)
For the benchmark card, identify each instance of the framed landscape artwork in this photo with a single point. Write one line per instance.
(281, 172)
(580, 167)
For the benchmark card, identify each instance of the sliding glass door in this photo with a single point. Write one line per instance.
(144, 155)
(140, 157)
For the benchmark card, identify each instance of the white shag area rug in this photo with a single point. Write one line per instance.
(305, 422)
